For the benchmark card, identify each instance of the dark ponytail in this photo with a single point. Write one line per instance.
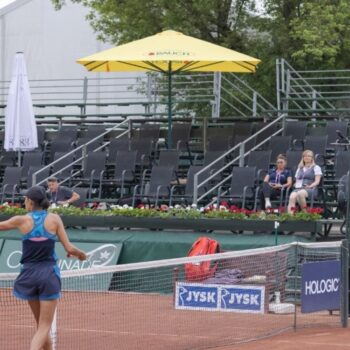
(44, 203)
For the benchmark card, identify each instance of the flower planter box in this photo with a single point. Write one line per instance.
(84, 221)
(191, 224)
(188, 224)
(301, 226)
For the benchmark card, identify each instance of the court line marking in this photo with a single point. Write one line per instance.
(85, 330)
(315, 343)
(117, 332)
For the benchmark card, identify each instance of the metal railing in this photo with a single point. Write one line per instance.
(82, 159)
(242, 98)
(144, 94)
(310, 92)
(240, 158)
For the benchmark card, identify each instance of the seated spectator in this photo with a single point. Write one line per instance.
(343, 193)
(307, 179)
(60, 195)
(277, 179)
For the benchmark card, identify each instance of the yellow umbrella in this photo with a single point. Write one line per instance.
(169, 52)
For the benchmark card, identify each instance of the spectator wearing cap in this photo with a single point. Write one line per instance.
(60, 195)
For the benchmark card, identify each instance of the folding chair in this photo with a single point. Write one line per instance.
(243, 187)
(158, 186)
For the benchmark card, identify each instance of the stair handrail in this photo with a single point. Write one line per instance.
(84, 155)
(241, 157)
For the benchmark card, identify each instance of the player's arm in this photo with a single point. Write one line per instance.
(11, 224)
(68, 246)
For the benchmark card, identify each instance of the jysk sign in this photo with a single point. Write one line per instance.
(213, 297)
(320, 286)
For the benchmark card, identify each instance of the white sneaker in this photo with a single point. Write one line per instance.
(267, 203)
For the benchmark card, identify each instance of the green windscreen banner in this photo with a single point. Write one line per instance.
(1, 244)
(98, 254)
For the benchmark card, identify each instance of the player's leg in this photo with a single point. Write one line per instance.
(35, 307)
(46, 315)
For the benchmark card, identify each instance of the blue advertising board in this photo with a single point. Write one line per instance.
(214, 297)
(320, 286)
(242, 298)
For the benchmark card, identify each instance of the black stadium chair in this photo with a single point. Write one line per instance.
(296, 129)
(11, 183)
(293, 159)
(123, 173)
(44, 174)
(333, 128)
(157, 187)
(261, 160)
(149, 131)
(30, 159)
(279, 145)
(184, 193)
(243, 189)
(115, 145)
(92, 172)
(62, 164)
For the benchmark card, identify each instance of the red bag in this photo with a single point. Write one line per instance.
(205, 269)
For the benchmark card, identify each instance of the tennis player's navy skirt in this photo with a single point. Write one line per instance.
(38, 281)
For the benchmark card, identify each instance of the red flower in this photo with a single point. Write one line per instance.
(234, 209)
(315, 210)
(282, 209)
(224, 204)
(163, 207)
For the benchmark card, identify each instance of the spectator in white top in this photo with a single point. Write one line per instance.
(307, 179)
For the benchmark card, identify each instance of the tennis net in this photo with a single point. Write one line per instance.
(177, 304)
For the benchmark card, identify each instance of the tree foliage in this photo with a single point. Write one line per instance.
(310, 34)
(120, 21)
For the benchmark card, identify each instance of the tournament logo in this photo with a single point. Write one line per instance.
(101, 256)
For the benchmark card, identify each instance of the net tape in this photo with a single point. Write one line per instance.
(180, 261)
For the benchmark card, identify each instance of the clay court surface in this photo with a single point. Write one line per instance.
(134, 321)
(308, 339)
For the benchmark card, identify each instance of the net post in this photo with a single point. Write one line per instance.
(175, 279)
(295, 285)
(344, 299)
(276, 226)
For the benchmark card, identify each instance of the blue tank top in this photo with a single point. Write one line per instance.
(38, 245)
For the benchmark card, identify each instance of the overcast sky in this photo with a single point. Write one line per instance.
(5, 2)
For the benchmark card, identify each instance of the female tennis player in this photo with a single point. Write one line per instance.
(39, 280)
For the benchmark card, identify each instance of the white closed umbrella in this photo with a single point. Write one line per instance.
(20, 127)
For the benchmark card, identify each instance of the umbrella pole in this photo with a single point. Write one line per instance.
(169, 106)
(19, 158)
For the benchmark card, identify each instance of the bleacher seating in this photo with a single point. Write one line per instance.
(104, 180)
